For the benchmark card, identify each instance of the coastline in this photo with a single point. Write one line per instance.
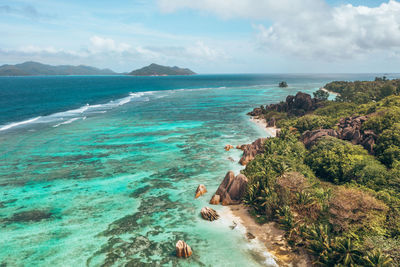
(271, 131)
(271, 237)
(268, 234)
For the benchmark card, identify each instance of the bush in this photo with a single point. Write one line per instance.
(388, 145)
(313, 122)
(352, 210)
(321, 95)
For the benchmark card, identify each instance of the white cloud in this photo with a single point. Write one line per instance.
(99, 44)
(311, 28)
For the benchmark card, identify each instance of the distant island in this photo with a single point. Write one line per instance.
(159, 70)
(31, 68)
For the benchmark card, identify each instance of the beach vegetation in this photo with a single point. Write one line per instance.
(335, 198)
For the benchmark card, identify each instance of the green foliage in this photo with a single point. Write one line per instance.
(321, 95)
(384, 119)
(363, 92)
(313, 122)
(377, 259)
(337, 110)
(339, 161)
(388, 145)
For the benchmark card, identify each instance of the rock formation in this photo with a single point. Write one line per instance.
(183, 250)
(201, 190)
(250, 151)
(228, 147)
(309, 138)
(231, 190)
(349, 129)
(215, 200)
(297, 105)
(209, 214)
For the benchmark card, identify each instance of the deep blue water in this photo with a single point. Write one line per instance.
(23, 98)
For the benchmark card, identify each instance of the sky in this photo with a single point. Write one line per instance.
(207, 36)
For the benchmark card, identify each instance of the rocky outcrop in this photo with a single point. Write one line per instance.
(309, 138)
(215, 200)
(256, 112)
(228, 147)
(183, 250)
(297, 105)
(349, 129)
(250, 151)
(231, 190)
(201, 190)
(209, 214)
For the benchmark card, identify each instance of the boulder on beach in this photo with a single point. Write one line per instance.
(183, 250)
(209, 214)
(231, 190)
(250, 151)
(201, 190)
(228, 147)
(215, 199)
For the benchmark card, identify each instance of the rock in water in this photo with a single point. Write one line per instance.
(209, 214)
(201, 190)
(228, 147)
(231, 190)
(215, 199)
(183, 250)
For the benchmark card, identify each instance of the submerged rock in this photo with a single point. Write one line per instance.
(209, 214)
(250, 151)
(183, 250)
(231, 189)
(201, 190)
(30, 216)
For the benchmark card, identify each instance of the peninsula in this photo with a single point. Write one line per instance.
(159, 70)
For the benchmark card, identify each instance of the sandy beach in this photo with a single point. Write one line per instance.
(271, 236)
(271, 131)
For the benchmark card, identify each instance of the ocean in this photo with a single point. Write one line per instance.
(102, 170)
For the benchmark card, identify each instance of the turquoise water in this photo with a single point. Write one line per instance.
(112, 183)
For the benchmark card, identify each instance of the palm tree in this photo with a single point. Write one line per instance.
(349, 254)
(378, 259)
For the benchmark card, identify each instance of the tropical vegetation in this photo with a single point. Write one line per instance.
(335, 199)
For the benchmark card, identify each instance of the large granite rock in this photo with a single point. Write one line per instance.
(349, 129)
(250, 151)
(183, 250)
(297, 105)
(231, 190)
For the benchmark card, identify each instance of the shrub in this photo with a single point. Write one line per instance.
(335, 160)
(388, 145)
(313, 122)
(321, 95)
(352, 210)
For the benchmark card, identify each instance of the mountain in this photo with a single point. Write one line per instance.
(158, 70)
(31, 68)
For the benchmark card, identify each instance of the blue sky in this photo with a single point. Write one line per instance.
(208, 36)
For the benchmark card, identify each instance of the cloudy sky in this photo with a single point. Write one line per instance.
(208, 36)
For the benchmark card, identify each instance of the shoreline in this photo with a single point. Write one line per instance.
(271, 131)
(271, 237)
